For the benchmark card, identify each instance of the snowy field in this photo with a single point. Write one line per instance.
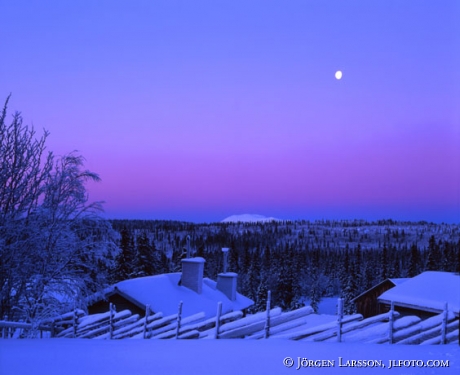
(327, 305)
(221, 357)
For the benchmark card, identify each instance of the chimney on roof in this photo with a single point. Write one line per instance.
(192, 273)
(227, 281)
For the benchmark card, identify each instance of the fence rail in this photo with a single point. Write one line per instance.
(9, 329)
(390, 327)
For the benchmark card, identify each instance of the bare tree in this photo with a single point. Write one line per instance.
(53, 244)
(22, 172)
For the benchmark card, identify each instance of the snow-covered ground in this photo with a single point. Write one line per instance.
(220, 357)
(327, 305)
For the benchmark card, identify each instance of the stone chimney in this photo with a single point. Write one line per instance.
(192, 273)
(227, 281)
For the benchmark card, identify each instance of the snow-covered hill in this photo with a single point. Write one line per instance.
(248, 218)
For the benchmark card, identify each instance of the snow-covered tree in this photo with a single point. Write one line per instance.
(126, 259)
(53, 244)
(285, 288)
(145, 262)
(315, 292)
(414, 261)
(434, 255)
(260, 303)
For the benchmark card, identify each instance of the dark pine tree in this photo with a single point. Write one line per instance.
(434, 255)
(457, 257)
(145, 260)
(345, 269)
(125, 261)
(233, 261)
(350, 292)
(261, 296)
(253, 276)
(315, 291)
(284, 288)
(385, 267)
(414, 269)
(358, 270)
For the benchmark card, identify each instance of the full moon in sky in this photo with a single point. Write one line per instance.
(338, 74)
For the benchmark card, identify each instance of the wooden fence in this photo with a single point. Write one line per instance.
(14, 329)
(390, 327)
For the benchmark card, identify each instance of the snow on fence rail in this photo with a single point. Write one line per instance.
(384, 328)
(14, 329)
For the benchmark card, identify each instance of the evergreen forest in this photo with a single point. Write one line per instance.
(299, 261)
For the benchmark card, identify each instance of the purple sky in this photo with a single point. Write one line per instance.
(197, 110)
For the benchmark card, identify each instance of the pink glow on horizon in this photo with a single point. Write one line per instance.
(384, 173)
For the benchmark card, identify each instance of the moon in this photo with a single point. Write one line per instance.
(338, 74)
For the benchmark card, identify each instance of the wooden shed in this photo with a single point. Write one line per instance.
(122, 301)
(366, 302)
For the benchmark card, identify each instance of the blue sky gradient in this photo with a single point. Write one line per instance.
(199, 110)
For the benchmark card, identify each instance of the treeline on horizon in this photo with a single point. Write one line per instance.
(299, 261)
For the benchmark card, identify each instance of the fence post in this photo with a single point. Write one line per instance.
(111, 315)
(444, 325)
(339, 319)
(219, 313)
(179, 318)
(267, 319)
(75, 322)
(53, 329)
(391, 322)
(147, 313)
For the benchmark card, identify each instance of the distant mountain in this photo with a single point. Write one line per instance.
(248, 218)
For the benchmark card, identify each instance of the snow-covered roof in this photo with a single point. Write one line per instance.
(163, 293)
(399, 280)
(428, 291)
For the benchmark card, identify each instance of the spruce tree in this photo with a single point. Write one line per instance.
(145, 262)
(414, 261)
(261, 296)
(384, 265)
(359, 276)
(457, 257)
(315, 291)
(284, 289)
(125, 260)
(433, 255)
(349, 292)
